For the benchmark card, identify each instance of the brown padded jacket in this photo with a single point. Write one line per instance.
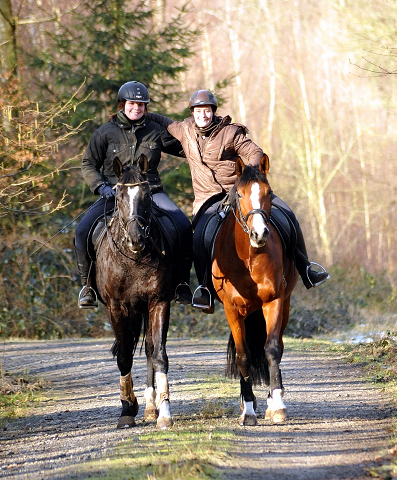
(213, 171)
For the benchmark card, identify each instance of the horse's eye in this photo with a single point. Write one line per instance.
(240, 195)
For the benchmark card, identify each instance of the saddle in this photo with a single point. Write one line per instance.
(278, 218)
(170, 234)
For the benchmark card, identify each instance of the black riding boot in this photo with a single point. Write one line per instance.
(310, 277)
(183, 292)
(87, 295)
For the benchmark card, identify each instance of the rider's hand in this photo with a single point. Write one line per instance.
(106, 192)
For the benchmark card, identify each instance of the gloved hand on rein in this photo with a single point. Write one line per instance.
(106, 192)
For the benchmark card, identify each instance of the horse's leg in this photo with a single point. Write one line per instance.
(237, 327)
(273, 313)
(125, 347)
(151, 412)
(159, 321)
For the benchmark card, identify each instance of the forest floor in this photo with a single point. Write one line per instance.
(337, 426)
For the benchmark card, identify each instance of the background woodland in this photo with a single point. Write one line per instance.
(314, 81)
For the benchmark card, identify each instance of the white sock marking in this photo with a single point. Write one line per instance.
(277, 403)
(248, 408)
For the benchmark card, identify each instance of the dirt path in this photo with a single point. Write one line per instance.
(336, 428)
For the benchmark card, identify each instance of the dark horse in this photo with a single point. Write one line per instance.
(254, 279)
(135, 280)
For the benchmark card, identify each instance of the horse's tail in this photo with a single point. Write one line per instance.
(255, 337)
(136, 328)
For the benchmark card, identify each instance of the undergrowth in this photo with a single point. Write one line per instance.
(17, 393)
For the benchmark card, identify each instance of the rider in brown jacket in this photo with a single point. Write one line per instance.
(212, 145)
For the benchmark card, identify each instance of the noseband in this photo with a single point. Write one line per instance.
(243, 219)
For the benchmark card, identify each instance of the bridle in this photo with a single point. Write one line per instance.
(143, 223)
(243, 219)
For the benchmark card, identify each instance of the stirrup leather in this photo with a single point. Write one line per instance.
(322, 271)
(195, 296)
(88, 290)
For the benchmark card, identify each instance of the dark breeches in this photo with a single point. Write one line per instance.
(181, 220)
(201, 260)
(83, 228)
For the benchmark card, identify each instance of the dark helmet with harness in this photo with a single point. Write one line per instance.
(203, 97)
(134, 92)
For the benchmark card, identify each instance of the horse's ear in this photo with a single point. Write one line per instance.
(143, 163)
(264, 164)
(117, 167)
(239, 166)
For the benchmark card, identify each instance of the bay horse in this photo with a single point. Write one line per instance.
(254, 279)
(135, 281)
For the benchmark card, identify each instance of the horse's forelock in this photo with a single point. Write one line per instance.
(251, 174)
(131, 174)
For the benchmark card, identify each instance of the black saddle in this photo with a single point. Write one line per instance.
(170, 234)
(278, 218)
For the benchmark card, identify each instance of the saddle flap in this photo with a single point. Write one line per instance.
(285, 228)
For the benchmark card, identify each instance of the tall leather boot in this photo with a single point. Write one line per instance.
(183, 292)
(87, 295)
(311, 278)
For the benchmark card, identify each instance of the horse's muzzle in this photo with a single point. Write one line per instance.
(258, 239)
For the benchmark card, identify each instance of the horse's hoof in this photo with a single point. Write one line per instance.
(127, 421)
(269, 414)
(248, 421)
(164, 422)
(279, 416)
(151, 414)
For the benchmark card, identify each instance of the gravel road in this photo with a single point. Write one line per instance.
(336, 427)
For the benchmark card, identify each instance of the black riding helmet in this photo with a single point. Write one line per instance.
(134, 92)
(203, 97)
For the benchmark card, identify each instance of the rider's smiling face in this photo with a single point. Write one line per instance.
(134, 110)
(203, 115)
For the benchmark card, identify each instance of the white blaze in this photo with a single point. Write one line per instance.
(258, 224)
(132, 194)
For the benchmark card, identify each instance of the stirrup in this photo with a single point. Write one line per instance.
(323, 271)
(91, 292)
(186, 297)
(201, 288)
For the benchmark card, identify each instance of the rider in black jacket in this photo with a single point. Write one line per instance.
(127, 135)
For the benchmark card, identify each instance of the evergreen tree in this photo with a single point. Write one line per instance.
(108, 43)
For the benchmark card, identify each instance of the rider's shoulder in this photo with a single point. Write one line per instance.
(238, 127)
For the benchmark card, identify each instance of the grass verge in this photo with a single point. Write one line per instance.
(18, 392)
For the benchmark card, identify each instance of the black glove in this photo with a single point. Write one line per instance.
(106, 192)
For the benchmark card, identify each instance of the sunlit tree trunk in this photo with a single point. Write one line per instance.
(8, 52)
(268, 39)
(310, 162)
(236, 61)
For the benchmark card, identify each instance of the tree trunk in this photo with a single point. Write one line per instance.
(8, 53)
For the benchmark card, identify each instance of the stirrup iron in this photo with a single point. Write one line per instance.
(199, 289)
(93, 293)
(322, 271)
